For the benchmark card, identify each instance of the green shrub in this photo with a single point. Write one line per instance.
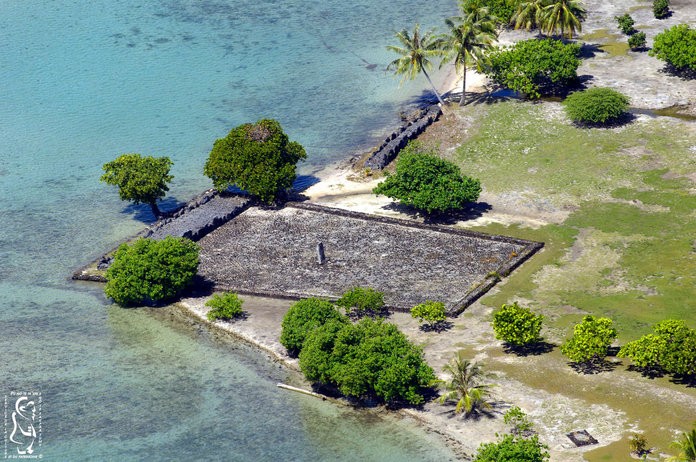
(148, 271)
(362, 300)
(428, 183)
(302, 318)
(511, 448)
(518, 419)
(637, 41)
(225, 306)
(430, 312)
(676, 46)
(626, 23)
(671, 347)
(660, 8)
(590, 340)
(258, 158)
(516, 325)
(596, 106)
(502, 10)
(365, 360)
(534, 67)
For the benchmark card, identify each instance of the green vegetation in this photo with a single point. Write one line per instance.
(149, 271)
(258, 158)
(637, 41)
(638, 444)
(302, 318)
(428, 183)
(226, 306)
(141, 180)
(518, 419)
(590, 340)
(534, 67)
(676, 46)
(660, 8)
(501, 10)
(670, 348)
(365, 360)
(516, 325)
(470, 35)
(596, 106)
(550, 16)
(511, 448)
(465, 387)
(686, 445)
(416, 51)
(361, 301)
(626, 23)
(430, 312)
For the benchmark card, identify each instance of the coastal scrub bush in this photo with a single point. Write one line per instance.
(465, 386)
(637, 41)
(596, 106)
(590, 340)
(517, 326)
(141, 180)
(428, 183)
(148, 270)
(660, 8)
(519, 421)
(362, 300)
(365, 360)
(534, 67)
(676, 46)
(511, 448)
(626, 23)
(671, 348)
(430, 312)
(258, 158)
(225, 306)
(302, 318)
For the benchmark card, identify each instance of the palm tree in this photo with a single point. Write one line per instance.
(564, 16)
(415, 54)
(528, 14)
(464, 387)
(686, 446)
(470, 35)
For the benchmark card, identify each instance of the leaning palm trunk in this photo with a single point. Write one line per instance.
(462, 100)
(433, 87)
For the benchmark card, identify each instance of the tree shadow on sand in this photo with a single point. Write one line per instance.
(471, 212)
(594, 367)
(439, 327)
(534, 349)
(683, 73)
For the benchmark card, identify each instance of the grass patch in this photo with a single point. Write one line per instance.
(627, 251)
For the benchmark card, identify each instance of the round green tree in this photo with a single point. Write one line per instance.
(224, 306)
(362, 300)
(148, 271)
(590, 340)
(517, 326)
(676, 46)
(534, 67)
(660, 8)
(671, 347)
(511, 448)
(428, 183)
(596, 106)
(429, 312)
(257, 158)
(303, 317)
(141, 180)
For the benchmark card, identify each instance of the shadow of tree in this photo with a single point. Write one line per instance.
(471, 212)
(683, 73)
(143, 212)
(439, 327)
(534, 349)
(688, 380)
(647, 372)
(594, 367)
(624, 119)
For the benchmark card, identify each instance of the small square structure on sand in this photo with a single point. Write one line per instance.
(274, 253)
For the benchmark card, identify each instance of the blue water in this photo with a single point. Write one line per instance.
(82, 82)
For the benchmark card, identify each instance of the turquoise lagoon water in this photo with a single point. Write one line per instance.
(80, 83)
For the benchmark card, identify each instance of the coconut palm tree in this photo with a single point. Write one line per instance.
(470, 35)
(564, 16)
(465, 386)
(416, 51)
(528, 14)
(686, 446)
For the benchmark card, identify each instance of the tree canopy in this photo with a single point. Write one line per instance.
(465, 386)
(224, 306)
(590, 340)
(676, 46)
(369, 359)
(511, 448)
(428, 183)
(516, 325)
(148, 271)
(258, 158)
(550, 16)
(596, 106)
(534, 67)
(362, 300)
(302, 318)
(141, 180)
(671, 347)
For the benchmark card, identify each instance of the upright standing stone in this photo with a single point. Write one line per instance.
(320, 254)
